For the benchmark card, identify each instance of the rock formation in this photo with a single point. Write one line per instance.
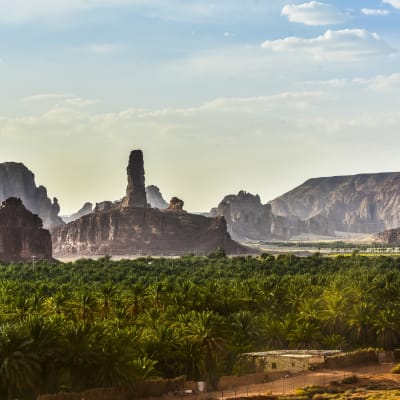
(21, 233)
(87, 208)
(366, 203)
(135, 191)
(131, 227)
(176, 205)
(248, 219)
(390, 236)
(155, 198)
(18, 181)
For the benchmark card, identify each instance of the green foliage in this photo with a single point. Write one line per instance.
(113, 323)
(350, 379)
(396, 369)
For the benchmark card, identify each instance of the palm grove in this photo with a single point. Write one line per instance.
(111, 323)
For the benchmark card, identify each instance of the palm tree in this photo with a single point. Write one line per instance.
(207, 330)
(335, 307)
(45, 336)
(360, 322)
(161, 344)
(82, 343)
(305, 335)
(19, 365)
(116, 366)
(245, 331)
(387, 325)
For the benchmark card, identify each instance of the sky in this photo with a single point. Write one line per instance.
(221, 96)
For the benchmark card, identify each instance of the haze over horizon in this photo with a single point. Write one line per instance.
(220, 95)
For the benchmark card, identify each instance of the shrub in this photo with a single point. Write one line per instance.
(396, 369)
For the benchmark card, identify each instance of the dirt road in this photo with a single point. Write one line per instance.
(287, 385)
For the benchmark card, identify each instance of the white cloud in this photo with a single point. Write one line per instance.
(20, 11)
(47, 97)
(374, 11)
(381, 83)
(59, 99)
(346, 44)
(393, 3)
(314, 13)
(105, 48)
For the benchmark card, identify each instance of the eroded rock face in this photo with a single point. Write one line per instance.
(130, 227)
(135, 191)
(155, 198)
(87, 208)
(176, 205)
(366, 203)
(18, 181)
(21, 233)
(145, 231)
(248, 219)
(390, 236)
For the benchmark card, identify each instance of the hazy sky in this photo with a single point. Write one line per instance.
(220, 95)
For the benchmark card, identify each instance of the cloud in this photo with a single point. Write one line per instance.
(105, 48)
(21, 11)
(346, 44)
(292, 131)
(374, 11)
(59, 99)
(381, 83)
(393, 3)
(46, 97)
(314, 13)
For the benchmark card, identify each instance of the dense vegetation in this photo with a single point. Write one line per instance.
(109, 323)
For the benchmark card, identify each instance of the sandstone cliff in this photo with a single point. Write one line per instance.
(129, 231)
(390, 236)
(155, 198)
(21, 233)
(366, 203)
(248, 219)
(18, 181)
(132, 227)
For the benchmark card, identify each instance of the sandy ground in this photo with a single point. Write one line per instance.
(288, 383)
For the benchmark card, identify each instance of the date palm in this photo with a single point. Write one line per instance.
(19, 365)
(206, 329)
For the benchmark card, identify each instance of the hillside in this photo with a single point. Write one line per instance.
(365, 203)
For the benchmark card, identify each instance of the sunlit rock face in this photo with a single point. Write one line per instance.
(366, 203)
(16, 180)
(21, 233)
(132, 227)
(390, 236)
(248, 219)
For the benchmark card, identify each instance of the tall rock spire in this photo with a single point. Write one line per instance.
(135, 191)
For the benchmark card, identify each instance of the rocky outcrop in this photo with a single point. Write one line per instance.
(18, 181)
(131, 227)
(155, 198)
(87, 208)
(22, 236)
(176, 205)
(135, 191)
(366, 203)
(138, 230)
(248, 219)
(390, 236)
